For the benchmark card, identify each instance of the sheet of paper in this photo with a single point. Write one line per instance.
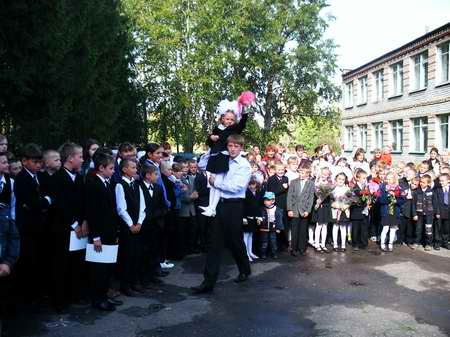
(75, 243)
(107, 255)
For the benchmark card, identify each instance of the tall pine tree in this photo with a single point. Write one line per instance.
(67, 73)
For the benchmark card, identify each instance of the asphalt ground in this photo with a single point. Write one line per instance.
(365, 293)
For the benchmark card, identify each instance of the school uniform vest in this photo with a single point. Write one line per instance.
(5, 194)
(132, 198)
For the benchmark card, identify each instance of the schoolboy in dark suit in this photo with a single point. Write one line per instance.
(359, 213)
(100, 206)
(67, 193)
(131, 210)
(442, 227)
(279, 184)
(9, 238)
(31, 205)
(155, 210)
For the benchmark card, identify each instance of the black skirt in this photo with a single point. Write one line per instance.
(250, 227)
(323, 214)
(218, 163)
(390, 220)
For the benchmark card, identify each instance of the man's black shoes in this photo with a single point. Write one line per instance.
(202, 289)
(241, 278)
(104, 306)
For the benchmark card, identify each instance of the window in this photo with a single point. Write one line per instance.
(443, 130)
(378, 135)
(443, 69)
(348, 140)
(379, 86)
(419, 135)
(397, 135)
(348, 95)
(362, 139)
(362, 90)
(397, 79)
(420, 71)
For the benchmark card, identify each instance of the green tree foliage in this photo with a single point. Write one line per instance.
(312, 132)
(67, 72)
(193, 53)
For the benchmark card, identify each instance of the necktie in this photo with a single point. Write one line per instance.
(446, 196)
(36, 179)
(1, 186)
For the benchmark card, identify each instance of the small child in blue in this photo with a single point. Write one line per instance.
(270, 225)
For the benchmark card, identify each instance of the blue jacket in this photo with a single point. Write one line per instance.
(9, 239)
(384, 202)
(278, 225)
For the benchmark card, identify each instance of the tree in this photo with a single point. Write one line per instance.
(67, 73)
(194, 53)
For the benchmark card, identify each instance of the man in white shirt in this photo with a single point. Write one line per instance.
(227, 225)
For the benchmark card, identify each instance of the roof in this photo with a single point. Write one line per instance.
(438, 30)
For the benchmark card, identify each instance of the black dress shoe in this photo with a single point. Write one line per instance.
(437, 246)
(294, 253)
(138, 288)
(162, 273)
(303, 253)
(115, 302)
(241, 278)
(104, 306)
(128, 292)
(202, 289)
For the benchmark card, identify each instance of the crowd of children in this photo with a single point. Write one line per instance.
(152, 205)
(355, 200)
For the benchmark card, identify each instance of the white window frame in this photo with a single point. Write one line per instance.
(443, 131)
(378, 81)
(419, 141)
(362, 90)
(362, 136)
(419, 71)
(348, 95)
(397, 135)
(378, 135)
(396, 79)
(443, 51)
(348, 138)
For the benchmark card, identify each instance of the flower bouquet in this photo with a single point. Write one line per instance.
(342, 203)
(323, 191)
(393, 192)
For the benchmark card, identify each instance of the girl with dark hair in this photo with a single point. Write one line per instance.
(89, 149)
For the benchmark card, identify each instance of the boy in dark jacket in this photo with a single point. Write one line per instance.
(101, 215)
(67, 193)
(271, 224)
(9, 236)
(279, 185)
(442, 226)
(424, 212)
(32, 205)
(152, 228)
(359, 213)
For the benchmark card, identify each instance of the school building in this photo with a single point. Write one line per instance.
(401, 98)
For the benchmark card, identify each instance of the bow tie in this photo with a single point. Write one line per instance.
(150, 187)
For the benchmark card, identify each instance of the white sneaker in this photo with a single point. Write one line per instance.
(253, 256)
(250, 258)
(209, 212)
(383, 248)
(204, 208)
(373, 239)
(166, 265)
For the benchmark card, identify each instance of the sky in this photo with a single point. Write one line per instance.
(366, 29)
